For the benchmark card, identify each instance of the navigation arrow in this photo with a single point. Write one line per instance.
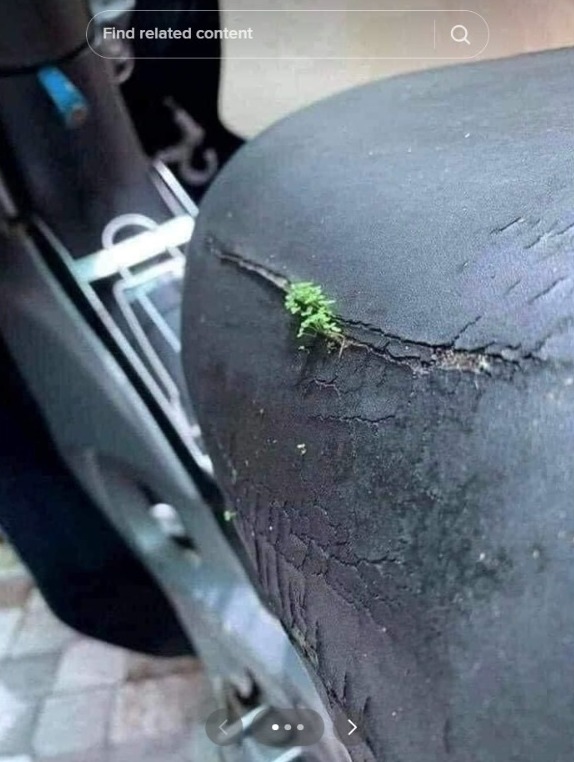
(354, 727)
(223, 724)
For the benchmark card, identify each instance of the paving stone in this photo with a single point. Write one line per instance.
(100, 754)
(167, 749)
(9, 621)
(153, 708)
(35, 601)
(141, 667)
(90, 664)
(15, 585)
(17, 718)
(8, 556)
(72, 723)
(147, 705)
(30, 677)
(198, 746)
(40, 632)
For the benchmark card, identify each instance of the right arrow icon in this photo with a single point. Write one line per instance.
(348, 730)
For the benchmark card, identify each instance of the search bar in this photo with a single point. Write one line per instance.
(274, 34)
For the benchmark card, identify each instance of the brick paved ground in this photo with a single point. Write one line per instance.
(65, 698)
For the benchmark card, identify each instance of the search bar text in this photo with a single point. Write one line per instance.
(298, 34)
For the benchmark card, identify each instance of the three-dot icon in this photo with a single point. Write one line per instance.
(287, 727)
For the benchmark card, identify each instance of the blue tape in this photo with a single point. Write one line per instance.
(70, 102)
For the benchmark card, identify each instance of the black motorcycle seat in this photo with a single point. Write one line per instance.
(407, 500)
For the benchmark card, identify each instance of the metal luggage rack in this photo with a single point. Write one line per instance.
(133, 288)
(137, 289)
(139, 258)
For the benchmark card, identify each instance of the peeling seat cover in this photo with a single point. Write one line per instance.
(420, 548)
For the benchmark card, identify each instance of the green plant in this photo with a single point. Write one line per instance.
(307, 301)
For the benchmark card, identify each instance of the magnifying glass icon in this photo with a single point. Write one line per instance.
(459, 33)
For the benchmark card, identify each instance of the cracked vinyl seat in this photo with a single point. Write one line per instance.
(408, 503)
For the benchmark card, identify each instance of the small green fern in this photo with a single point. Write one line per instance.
(307, 301)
